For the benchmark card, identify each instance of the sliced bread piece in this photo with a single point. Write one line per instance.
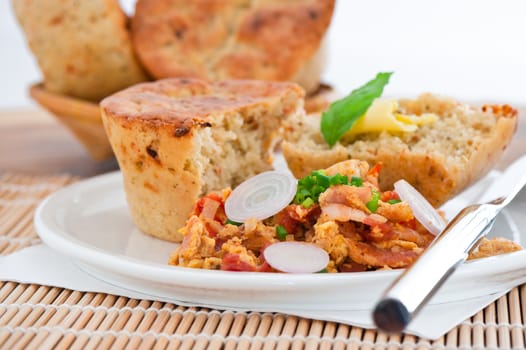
(440, 159)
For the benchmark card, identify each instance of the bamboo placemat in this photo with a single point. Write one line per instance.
(40, 317)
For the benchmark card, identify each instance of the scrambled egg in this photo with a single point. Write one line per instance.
(384, 115)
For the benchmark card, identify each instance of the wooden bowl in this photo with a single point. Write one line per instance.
(81, 117)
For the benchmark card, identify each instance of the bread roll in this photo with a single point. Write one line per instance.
(82, 47)
(177, 139)
(440, 159)
(216, 39)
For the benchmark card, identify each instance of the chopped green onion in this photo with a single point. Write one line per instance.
(228, 221)
(307, 203)
(311, 186)
(339, 179)
(356, 181)
(394, 201)
(323, 271)
(323, 180)
(317, 190)
(372, 205)
(281, 233)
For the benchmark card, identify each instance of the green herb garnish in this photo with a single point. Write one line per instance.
(339, 179)
(308, 202)
(281, 233)
(356, 181)
(228, 221)
(343, 113)
(394, 201)
(372, 205)
(311, 186)
(323, 271)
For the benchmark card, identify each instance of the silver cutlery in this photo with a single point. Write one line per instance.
(407, 295)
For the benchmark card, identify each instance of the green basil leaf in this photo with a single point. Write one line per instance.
(343, 113)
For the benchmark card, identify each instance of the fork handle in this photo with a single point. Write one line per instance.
(416, 285)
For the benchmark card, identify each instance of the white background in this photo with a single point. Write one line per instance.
(472, 50)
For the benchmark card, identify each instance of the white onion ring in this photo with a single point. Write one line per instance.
(261, 196)
(296, 257)
(422, 209)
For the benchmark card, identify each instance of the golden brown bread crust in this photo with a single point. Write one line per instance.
(82, 47)
(164, 135)
(186, 103)
(215, 39)
(431, 170)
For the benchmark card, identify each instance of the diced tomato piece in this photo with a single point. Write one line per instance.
(375, 170)
(389, 195)
(411, 224)
(285, 218)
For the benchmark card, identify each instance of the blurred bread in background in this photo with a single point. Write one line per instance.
(87, 51)
(83, 48)
(240, 39)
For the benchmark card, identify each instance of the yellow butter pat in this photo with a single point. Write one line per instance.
(383, 115)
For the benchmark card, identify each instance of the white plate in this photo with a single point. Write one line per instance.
(89, 222)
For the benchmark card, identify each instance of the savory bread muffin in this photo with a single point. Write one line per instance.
(440, 159)
(242, 39)
(82, 47)
(177, 139)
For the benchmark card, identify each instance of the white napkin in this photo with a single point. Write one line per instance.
(41, 265)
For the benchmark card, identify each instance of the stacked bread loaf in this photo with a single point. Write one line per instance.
(85, 49)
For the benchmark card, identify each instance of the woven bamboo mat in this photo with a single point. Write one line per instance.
(40, 317)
